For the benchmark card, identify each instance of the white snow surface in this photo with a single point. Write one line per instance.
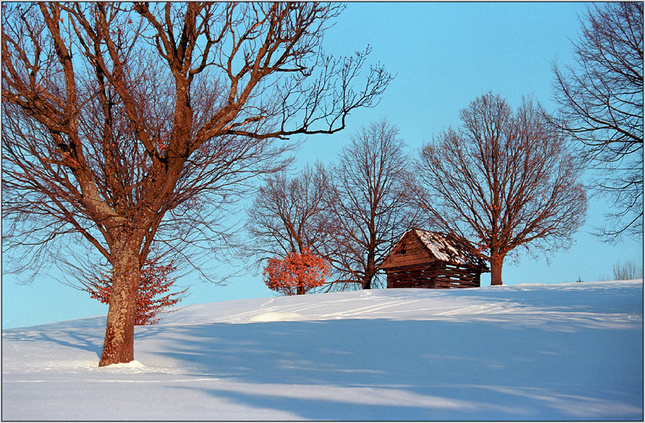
(523, 352)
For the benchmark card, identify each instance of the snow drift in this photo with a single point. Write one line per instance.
(522, 352)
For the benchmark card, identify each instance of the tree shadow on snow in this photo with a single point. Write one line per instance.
(84, 334)
(436, 369)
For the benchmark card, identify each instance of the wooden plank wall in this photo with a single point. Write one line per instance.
(438, 275)
(410, 252)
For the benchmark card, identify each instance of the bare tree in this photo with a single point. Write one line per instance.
(289, 215)
(369, 203)
(503, 180)
(601, 105)
(122, 120)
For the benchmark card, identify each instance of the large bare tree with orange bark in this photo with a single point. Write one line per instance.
(125, 123)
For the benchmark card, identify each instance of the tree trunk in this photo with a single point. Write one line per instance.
(496, 263)
(118, 346)
(370, 271)
(367, 282)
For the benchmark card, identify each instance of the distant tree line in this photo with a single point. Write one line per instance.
(627, 271)
(624, 271)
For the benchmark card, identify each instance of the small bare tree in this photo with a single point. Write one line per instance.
(627, 271)
(369, 203)
(503, 180)
(601, 105)
(123, 122)
(290, 215)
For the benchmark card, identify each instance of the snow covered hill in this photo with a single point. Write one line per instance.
(522, 352)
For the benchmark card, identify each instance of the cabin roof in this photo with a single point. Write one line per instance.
(447, 248)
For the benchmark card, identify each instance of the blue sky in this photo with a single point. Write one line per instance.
(444, 56)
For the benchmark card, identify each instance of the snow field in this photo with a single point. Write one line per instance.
(522, 352)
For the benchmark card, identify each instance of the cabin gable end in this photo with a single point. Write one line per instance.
(409, 251)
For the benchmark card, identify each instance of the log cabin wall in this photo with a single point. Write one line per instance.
(439, 276)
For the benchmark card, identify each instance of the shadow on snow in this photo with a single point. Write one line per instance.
(439, 369)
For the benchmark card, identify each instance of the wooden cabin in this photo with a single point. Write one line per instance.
(424, 259)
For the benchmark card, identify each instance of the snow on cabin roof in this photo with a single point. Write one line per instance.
(440, 247)
(448, 248)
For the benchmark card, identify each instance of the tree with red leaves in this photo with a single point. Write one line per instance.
(296, 273)
(153, 295)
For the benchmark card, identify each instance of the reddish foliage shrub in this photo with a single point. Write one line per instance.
(153, 295)
(296, 273)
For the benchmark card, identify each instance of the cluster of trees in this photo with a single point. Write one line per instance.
(504, 179)
(138, 126)
(350, 213)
